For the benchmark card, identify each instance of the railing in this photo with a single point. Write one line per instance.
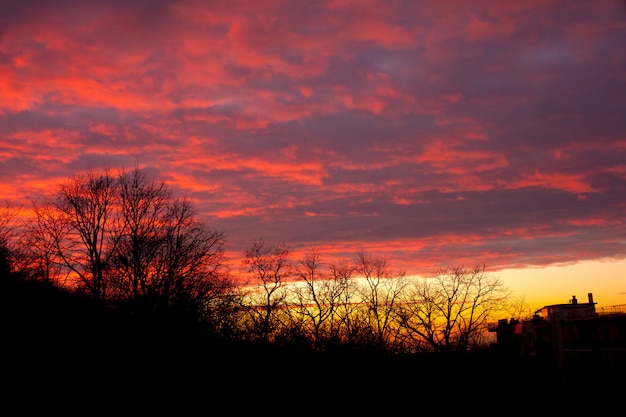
(616, 309)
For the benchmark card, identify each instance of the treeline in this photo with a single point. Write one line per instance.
(125, 242)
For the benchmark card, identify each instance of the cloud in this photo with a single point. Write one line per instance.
(430, 132)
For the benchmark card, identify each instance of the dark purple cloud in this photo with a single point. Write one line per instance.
(429, 132)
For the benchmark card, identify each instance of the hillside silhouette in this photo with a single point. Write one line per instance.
(60, 344)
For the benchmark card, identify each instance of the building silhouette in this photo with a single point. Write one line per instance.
(576, 338)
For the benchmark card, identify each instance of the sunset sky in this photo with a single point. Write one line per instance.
(432, 133)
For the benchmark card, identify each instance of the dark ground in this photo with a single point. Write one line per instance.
(63, 354)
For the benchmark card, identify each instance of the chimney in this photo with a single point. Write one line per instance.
(590, 296)
(574, 300)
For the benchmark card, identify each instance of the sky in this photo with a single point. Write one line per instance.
(430, 133)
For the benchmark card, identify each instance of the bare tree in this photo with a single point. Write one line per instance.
(78, 224)
(191, 259)
(6, 217)
(220, 309)
(346, 325)
(318, 296)
(143, 205)
(519, 309)
(270, 269)
(420, 316)
(451, 311)
(380, 294)
(40, 247)
(126, 240)
(166, 259)
(7, 237)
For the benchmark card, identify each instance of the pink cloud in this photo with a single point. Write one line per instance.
(451, 156)
(428, 131)
(571, 183)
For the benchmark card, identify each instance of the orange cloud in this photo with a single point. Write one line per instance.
(450, 156)
(571, 183)
(588, 222)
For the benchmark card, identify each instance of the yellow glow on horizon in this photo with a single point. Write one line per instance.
(542, 286)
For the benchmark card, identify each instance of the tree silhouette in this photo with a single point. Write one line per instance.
(380, 294)
(269, 269)
(5, 238)
(317, 298)
(347, 324)
(79, 223)
(450, 311)
(165, 256)
(127, 241)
